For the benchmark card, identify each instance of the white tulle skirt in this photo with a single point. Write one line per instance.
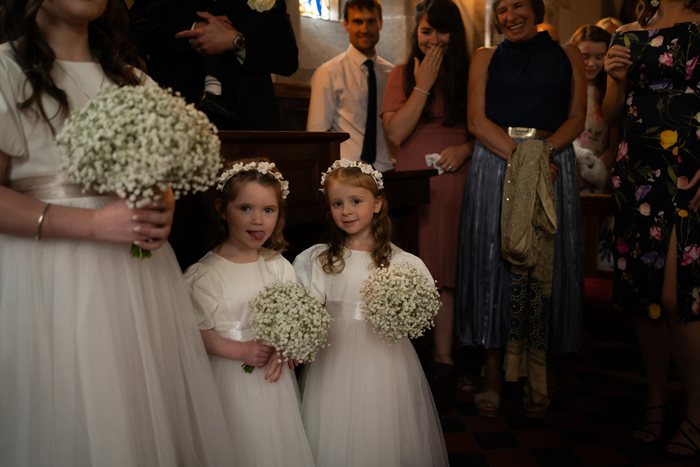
(365, 403)
(101, 362)
(263, 417)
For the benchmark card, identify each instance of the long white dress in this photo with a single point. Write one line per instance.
(364, 402)
(263, 417)
(101, 362)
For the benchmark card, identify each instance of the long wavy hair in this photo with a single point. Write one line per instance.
(443, 15)
(645, 12)
(107, 36)
(232, 188)
(592, 33)
(332, 259)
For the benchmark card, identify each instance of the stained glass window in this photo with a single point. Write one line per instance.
(314, 8)
(321, 9)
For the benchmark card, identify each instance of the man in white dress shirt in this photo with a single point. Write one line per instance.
(341, 89)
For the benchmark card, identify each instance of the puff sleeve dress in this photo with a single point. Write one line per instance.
(364, 402)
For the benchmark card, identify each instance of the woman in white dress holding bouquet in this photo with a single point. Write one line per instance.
(101, 360)
(364, 402)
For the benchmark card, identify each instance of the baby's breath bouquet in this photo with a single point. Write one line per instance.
(400, 302)
(287, 317)
(136, 141)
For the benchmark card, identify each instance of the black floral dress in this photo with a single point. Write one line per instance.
(658, 154)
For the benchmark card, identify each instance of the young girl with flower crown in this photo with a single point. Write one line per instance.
(598, 137)
(263, 418)
(365, 402)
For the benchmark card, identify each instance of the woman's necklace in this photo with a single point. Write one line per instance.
(78, 84)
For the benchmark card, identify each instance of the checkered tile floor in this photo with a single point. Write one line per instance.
(599, 400)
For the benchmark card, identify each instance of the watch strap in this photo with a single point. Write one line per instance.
(238, 42)
(550, 148)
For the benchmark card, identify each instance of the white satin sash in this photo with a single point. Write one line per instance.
(240, 331)
(345, 310)
(51, 187)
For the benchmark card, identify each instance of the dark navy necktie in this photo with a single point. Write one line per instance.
(369, 145)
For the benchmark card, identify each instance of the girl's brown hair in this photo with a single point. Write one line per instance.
(594, 33)
(107, 39)
(231, 189)
(645, 12)
(332, 260)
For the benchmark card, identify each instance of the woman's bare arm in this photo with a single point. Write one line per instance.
(400, 124)
(576, 121)
(617, 64)
(487, 132)
(19, 216)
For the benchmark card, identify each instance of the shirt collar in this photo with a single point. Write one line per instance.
(357, 57)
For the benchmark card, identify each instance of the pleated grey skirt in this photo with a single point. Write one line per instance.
(481, 294)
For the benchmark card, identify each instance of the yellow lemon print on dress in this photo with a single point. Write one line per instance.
(668, 138)
(654, 311)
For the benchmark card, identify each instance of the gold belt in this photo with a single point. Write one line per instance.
(526, 133)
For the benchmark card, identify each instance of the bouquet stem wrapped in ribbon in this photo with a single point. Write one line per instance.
(400, 302)
(136, 141)
(287, 317)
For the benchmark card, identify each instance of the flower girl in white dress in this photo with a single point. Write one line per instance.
(364, 402)
(263, 418)
(101, 363)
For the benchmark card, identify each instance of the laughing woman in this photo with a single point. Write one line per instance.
(529, 87)
(425, 112)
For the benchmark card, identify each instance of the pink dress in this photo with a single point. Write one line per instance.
(439, 220)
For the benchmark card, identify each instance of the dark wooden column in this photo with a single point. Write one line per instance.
(405, 191)
(594, 208)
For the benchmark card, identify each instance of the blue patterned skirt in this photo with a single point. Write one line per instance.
(481, 295)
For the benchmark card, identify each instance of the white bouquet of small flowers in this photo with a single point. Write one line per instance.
(400, 302)
(287, 317)
(136, 141)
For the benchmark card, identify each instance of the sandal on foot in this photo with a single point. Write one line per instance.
(640, 426)
(491, 396)
(530, 412)
(692, 446)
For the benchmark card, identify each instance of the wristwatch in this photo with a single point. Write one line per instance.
(238, 42)
(550, 148)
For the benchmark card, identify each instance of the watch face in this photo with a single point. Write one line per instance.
(239, 41)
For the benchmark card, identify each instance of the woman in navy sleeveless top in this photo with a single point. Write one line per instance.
(527, 81)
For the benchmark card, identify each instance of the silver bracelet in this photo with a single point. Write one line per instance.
(420, 90)
(37, 234)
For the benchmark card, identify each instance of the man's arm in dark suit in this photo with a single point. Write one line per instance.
(272, 48)
(154, 24)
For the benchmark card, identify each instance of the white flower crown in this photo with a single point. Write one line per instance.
(262, 167)
(364, 167)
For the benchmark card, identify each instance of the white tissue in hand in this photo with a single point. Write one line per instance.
(431, 161)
